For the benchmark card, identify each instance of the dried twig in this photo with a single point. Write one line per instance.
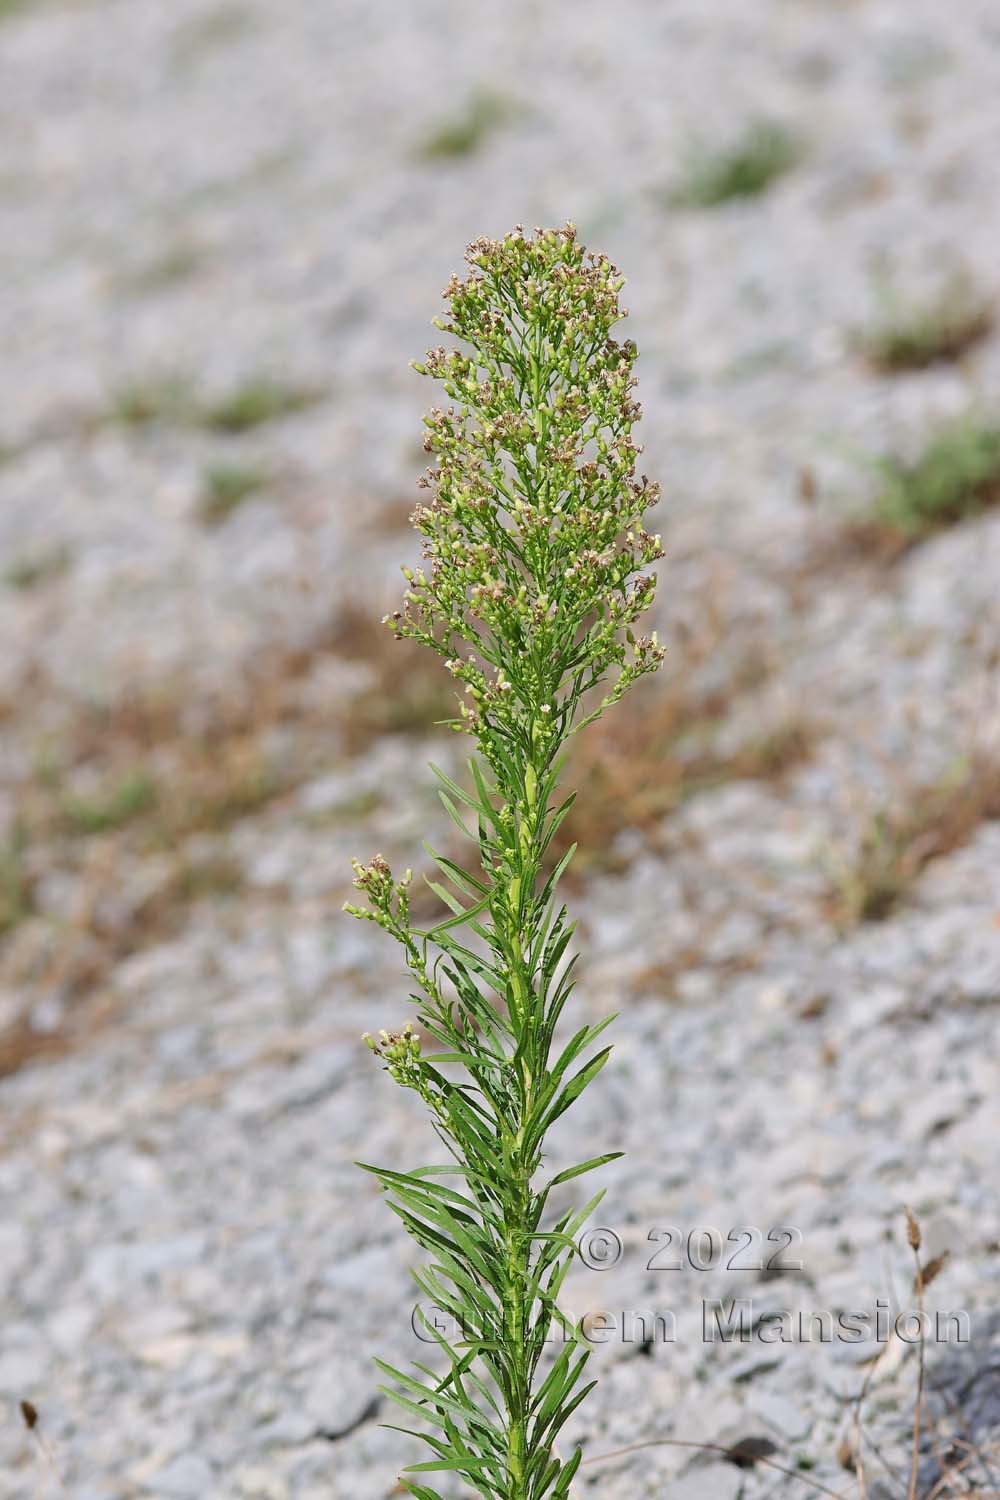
(29, 1414)
(769, 1463)
(913, 1239)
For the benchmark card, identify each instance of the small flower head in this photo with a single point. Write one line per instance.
(388, 900)
(400, 1051)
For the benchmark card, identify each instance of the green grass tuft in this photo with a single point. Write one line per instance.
(224, 489)
(35, 568)
(176, 263)
(911, 336)
(743, 169)
(898, 842)
(464, 134)
(156, 398)
(259, 399)
(214, 875)
(173, 399)
(956, 475)
(209, 33)
(107, 811)
(15, 887)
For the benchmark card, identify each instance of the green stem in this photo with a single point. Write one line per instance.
(518, 1243)
(517, 1415)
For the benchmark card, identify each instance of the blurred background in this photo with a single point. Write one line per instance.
(224, 229)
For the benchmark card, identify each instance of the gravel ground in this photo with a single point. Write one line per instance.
(224, 232)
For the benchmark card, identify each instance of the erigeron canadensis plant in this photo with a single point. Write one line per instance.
(531, 584)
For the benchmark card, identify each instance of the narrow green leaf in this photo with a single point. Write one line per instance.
(586, 1166)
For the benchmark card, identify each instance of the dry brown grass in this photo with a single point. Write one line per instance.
(899, 843)
(118, 909)
(22, 1042)
(171, 760)
(164, 761)
(959, 1463)
(954, 478)
(946, 1456)
(16, 893)
(632, 770)
(912, 335)
(119, 798)
(409, 692)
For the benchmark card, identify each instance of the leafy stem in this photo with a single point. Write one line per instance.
(531, 581)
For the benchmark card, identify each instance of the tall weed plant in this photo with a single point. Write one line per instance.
(532, 581)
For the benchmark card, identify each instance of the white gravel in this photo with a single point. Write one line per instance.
(193, 1272)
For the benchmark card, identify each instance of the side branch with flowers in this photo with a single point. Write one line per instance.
(531, 583)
